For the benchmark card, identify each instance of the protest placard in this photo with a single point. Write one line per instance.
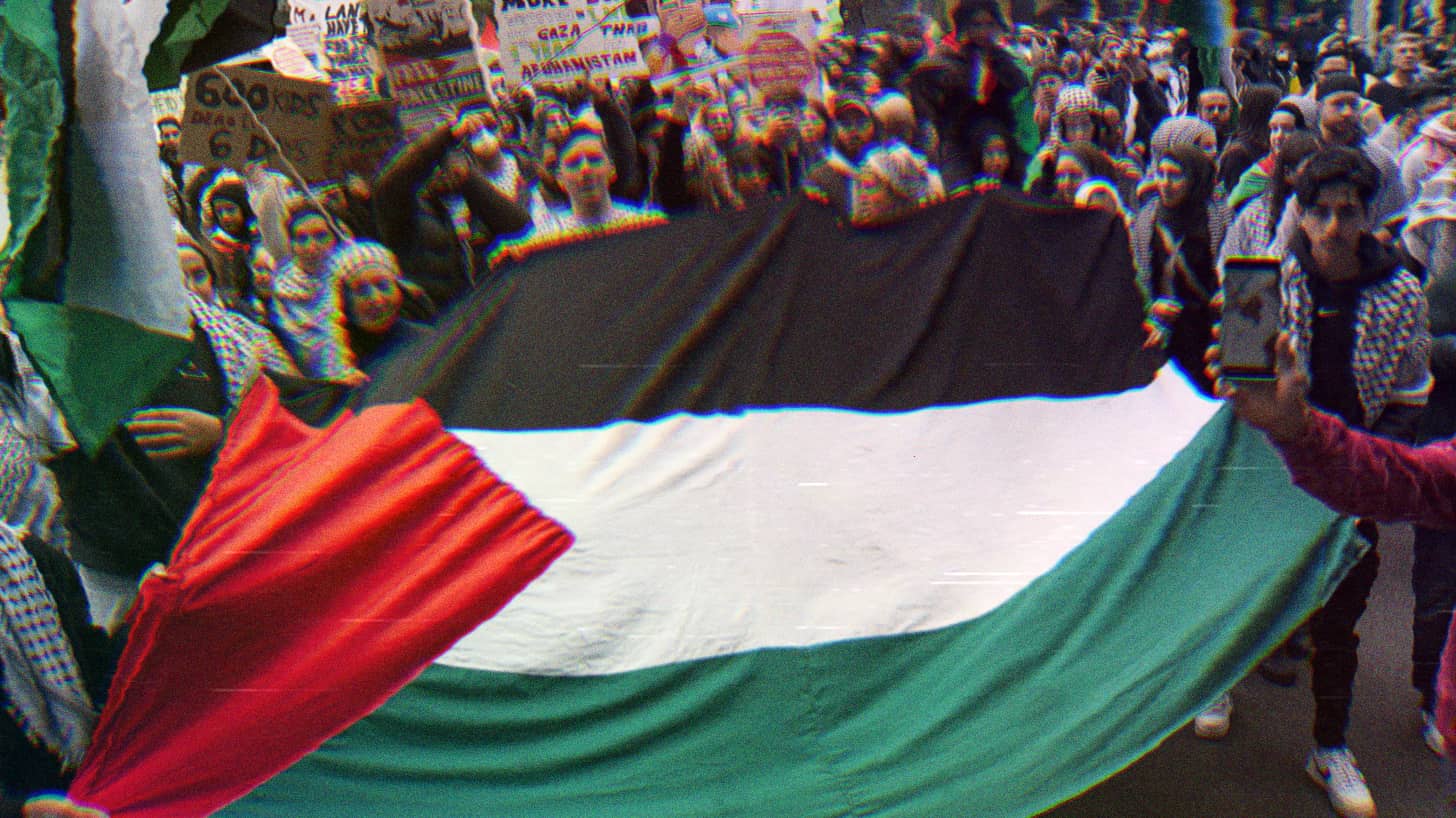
(217, 129)
(349, 55)
(681, 18)
(422, 26)
(425, 86)
(305, 26)
(560, 40)
(364, 134)
(780, 52)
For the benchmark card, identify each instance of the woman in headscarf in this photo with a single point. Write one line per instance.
(699, 143)
(306, 311)
(1286, 119)
(1250, 141)
(1176, 237)
(231, 230)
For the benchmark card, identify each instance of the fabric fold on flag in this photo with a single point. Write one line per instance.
(321, 571)
(93, 285)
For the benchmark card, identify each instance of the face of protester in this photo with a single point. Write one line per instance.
(585, 172)
(557, 126)
(1078, 127)
(1340, 117)
(812, 128)
(484, 143)
(311, 241)
(719, 122)
(1208, 143)
(1070, 175)
(853, 130)
(781, 125)
(1172, 182)
(995, 158)
(169, 140)
(229, 216)
(194, 272)
(981, 31)
(1281, 125)
(1333, 225)
(1406, 56)
(372, 298)
(1216, 109)
(1071, 64)
(1047, 89)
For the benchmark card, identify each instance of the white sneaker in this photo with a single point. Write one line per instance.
(1433, 737)
(1213, 722)
(1334, 768)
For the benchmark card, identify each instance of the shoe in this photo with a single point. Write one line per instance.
(1280, 669)
(1213, 722)
(1433, 737)
(1334, 768)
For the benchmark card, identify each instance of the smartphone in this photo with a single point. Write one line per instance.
(1250, 324)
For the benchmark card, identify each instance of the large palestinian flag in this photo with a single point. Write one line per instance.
(896, 522)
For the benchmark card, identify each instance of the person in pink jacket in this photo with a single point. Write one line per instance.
(1358, 473)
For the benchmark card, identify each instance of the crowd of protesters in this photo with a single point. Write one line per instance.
(1306, 144)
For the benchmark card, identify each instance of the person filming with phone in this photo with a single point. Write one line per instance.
(1357, 319)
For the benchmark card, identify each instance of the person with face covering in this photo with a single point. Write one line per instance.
(1176, 237)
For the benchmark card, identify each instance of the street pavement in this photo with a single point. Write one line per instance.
(1258, 770)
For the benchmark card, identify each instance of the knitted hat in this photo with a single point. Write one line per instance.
(1337, 84)
(1176, 130)
(351, 259)
(1074, 99)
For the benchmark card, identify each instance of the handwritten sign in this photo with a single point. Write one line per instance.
(349, 55)
(423, 86)
(422, 26)
(217, 129)
(557, 40)
(364, 134)
(779, 52)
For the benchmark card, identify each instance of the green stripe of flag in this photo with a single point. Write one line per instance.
(1089, 667)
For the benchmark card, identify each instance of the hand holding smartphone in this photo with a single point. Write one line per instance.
(1250, 323)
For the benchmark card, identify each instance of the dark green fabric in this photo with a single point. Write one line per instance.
(1089, 667)
(31, 69)
(187, 21)
(99, 367)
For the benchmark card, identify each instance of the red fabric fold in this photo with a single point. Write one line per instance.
(322, 570)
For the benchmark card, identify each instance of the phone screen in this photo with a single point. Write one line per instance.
(1250, 323)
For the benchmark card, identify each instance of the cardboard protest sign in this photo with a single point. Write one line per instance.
(681, 18)
(363, 135)
(559, 40)
(424, 86)
(305, 26)
(166, 103)
(780, 52)
(422, 26)
(349, 55)
(217, 129)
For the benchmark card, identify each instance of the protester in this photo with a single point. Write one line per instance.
(1175, 238)
(1250, 140)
